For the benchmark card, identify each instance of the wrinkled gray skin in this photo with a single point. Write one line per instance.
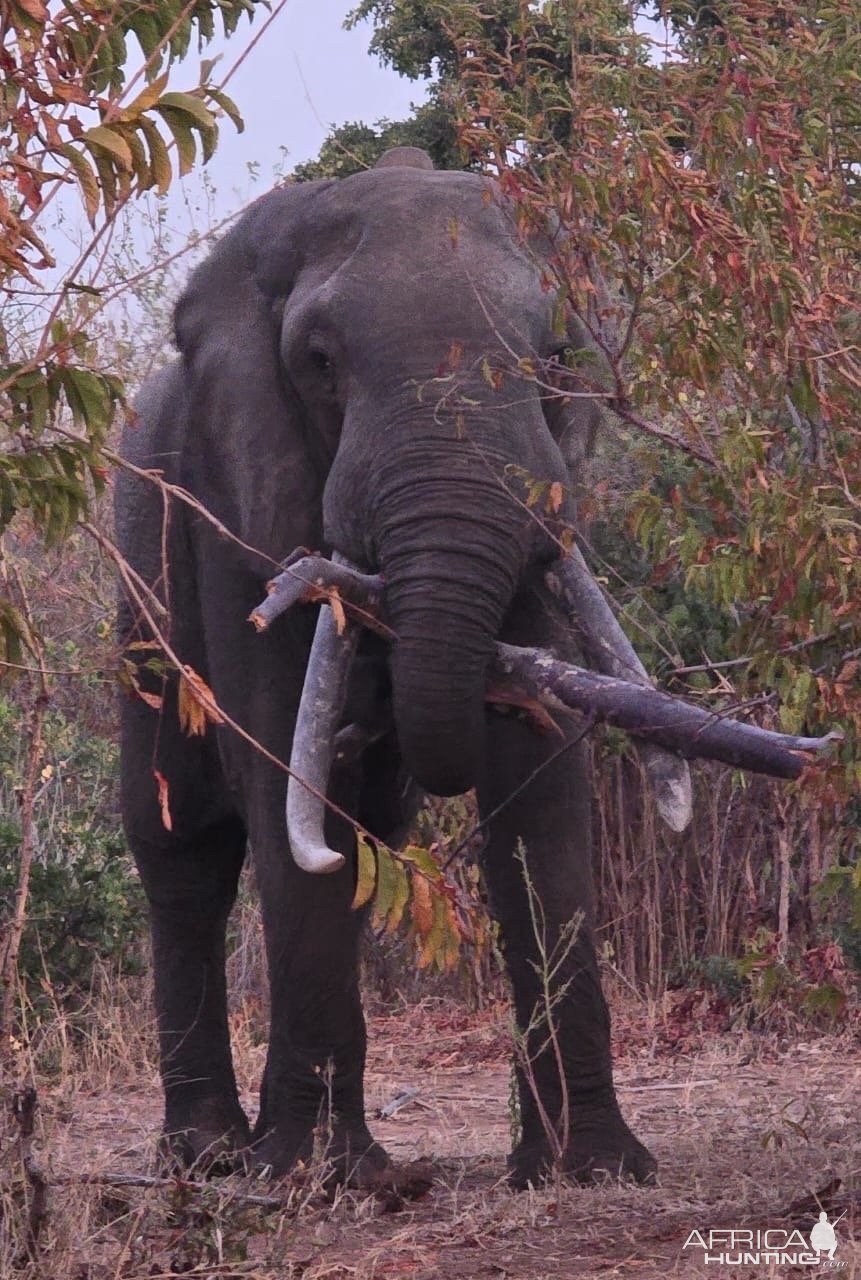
(303, 411)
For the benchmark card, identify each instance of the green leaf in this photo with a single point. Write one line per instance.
(140, 164)
(229, 107)
(423, 859)
(87, 179)
(160, 166)
(89, 398)
(112, 141)
(387, 887)
(107, 179)
(177, 122)
(188, 104)
(366, 875)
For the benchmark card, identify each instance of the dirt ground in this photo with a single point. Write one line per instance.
(747, 1133)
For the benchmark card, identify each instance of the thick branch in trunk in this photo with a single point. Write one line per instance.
(308, 578)
(625, 698)
(690, 731)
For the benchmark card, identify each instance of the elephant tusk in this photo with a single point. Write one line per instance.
(320, 709)
(570, 581)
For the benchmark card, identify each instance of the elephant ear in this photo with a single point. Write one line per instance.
(246, 454)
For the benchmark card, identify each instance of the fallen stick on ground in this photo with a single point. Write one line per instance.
(270, 1203)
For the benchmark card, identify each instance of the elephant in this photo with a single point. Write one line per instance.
(350, 378)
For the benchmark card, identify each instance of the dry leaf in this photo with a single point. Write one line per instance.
(421, 908)
(538, 714)
(367, 874)
(196, 704)
(337, 610)
(163, 800)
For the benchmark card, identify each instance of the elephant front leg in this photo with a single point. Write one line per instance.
(537, 865)
(312, 1095)
(191, 886)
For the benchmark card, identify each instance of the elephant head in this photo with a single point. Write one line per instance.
(386, 323)
(374, 363)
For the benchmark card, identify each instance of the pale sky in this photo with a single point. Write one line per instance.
(305, 75)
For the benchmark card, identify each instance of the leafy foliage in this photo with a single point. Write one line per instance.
(707, 239)
(413, 881)
(71, 115)
(353, 147)
(86, 904)
(704, 210)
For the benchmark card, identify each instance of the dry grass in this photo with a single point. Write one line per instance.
(744, 1126)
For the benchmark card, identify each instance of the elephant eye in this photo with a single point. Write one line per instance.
(321, 361)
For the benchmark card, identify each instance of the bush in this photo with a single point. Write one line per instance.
(86, 905)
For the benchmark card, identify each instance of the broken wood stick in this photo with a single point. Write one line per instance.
(692, 732)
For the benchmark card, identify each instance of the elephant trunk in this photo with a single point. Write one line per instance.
(449, 581)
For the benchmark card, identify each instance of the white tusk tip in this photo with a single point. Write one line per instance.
(319, 861)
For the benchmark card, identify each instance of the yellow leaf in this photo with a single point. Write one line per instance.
(451, 946)
(34, 9)
(387, 887)
(163, 800)
(196, 703)
(139, 160)
(366, 878)
(147, 98)
(434, 942)
(159, 160)
(87, 179)
(337, 610)
(400, 899)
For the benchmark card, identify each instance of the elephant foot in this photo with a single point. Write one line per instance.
(212, 1137)
(348, 1157)
(599, 1151)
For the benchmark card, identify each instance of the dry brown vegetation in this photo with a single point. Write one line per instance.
(748, 1128)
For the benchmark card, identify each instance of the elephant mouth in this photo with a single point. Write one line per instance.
(337, 582)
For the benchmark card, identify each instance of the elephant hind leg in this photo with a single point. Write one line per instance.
(191, 886)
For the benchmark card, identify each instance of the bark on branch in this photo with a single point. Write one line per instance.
(621, 699)
(692, 732)
(670, 730)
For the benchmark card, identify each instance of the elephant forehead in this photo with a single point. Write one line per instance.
(464, 292)
(439, 253)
